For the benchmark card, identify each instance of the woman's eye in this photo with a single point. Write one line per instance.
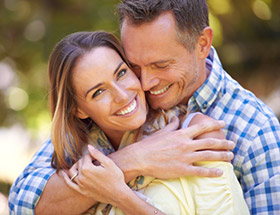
(97, 93)
(121, 73)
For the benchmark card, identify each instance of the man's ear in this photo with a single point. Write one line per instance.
(204, 42)
(80, 113)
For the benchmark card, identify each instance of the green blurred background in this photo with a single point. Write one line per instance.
(246, 36)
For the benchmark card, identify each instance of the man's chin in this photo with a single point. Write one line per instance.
(160, 105)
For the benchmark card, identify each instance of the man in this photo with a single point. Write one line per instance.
(169, 46)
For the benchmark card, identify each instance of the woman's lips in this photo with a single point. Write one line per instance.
(128, 109)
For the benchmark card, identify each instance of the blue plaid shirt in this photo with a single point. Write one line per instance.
(249, 123)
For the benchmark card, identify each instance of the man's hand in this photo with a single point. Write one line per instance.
(170, 153)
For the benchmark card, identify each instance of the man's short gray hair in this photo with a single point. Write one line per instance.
(191, 16)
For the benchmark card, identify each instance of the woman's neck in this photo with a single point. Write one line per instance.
(115, 141)
(115, 138)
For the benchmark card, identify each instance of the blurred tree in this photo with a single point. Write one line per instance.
(4, 187)
(251, 41)
(28, 32)
(247, 36)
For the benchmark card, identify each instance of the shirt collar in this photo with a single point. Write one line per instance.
(207, 93)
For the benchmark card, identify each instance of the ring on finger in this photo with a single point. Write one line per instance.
(74, 176)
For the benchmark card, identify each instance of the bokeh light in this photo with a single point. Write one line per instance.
(215, 24)
(35, 31)
(7, 75)
(14, 142)
(261, 10)
(17, 98)
(21, 9)
(11, 4)
(3, 204)
(221, 7)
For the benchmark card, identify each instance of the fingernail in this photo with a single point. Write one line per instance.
(90, 147)
(219, 172)
(231, 144)
(230, 155)
(222, 123)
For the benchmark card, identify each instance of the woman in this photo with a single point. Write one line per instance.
(97, 99)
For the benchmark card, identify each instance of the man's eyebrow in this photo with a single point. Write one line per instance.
(160, 61)
(99, 84)
(154, 62)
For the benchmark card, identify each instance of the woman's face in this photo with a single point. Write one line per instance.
(108, 91)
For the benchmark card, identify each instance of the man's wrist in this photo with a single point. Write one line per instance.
(129, 160)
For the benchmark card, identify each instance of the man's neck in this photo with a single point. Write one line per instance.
(200, 83)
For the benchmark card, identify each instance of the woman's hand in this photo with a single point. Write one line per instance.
(97, 177)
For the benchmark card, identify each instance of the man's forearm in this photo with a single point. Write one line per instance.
(58, 198)
(128, 160)
(171, 154)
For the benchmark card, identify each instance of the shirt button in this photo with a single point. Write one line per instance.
(204, 106)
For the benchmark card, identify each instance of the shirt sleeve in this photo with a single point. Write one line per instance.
(261, 170)
(188, 119)
(225, 192)
(28, 187)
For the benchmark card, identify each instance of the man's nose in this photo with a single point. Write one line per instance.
(148, 79)
(120, 94)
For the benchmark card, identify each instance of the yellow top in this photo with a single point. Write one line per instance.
(190, 195)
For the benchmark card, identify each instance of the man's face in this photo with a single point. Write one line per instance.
(169, 72)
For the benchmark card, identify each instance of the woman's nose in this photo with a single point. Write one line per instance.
(120, 94)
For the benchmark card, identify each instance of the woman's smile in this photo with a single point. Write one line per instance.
(128, 109)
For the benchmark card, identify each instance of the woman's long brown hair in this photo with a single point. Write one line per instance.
(69, 133)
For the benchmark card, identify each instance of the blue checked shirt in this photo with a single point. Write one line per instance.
(249, 123)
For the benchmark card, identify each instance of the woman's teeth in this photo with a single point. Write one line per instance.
(129, 109)
(160, 91)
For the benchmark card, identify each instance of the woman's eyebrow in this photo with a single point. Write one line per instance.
(92, 88)
(97, 85)
(118, 67)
